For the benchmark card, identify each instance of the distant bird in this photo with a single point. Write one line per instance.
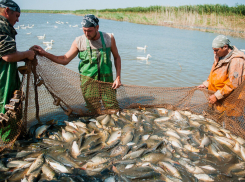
(144, 58)
(41, 37)
(49, 43)
(67, 22)
(142, 47)
(28, 33)
(29, 26)
(243, 50)
(55, 27)
(23, 27)
(48, 47)
(75, 26)
(17, 28)
(47, 22)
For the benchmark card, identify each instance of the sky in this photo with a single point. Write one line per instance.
(103, 4)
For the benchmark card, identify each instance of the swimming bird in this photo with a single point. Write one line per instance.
(49, 43)
(28, 33)
(41, 37)
(17, 28)
(142, 47)
(48, 47)
(55, 27)
(144, 58)
(243, 50)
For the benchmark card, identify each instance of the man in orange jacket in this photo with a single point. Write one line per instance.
(227, 72)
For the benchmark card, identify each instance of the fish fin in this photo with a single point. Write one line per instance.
(115, 170)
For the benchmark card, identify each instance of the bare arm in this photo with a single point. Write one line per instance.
(117, 62)
(18, 56)
(65, 59)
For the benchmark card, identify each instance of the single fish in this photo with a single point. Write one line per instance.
(134, 155)
(57, 166)
(40, 130)
(114, 136)
(170, 169)
(75, 151)
(49, 172)
(203, 177)
(36, 164)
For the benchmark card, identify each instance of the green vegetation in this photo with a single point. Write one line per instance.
(218, 18)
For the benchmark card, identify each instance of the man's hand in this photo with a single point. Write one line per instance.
(30, 54)
(117, 83)
(201, 86)
(39, 50)
(212, 99)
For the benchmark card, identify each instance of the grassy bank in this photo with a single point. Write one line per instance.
(210, 18)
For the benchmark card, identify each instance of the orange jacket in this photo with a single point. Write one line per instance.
(226, 74)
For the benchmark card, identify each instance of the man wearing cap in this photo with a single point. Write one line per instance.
(9, 56)
(94, 48)
(227, 72)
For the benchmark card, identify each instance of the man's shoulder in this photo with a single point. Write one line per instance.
(5, 28)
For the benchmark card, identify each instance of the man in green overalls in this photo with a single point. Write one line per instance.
(94, 48)
(9, 56)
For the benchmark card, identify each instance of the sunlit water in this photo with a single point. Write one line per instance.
(180, 58)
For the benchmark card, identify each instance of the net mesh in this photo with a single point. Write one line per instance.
(54, 92)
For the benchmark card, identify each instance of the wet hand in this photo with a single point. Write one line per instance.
(201, 86)
(39, 50)
(30, 54)
(117, 83)
(212, 99)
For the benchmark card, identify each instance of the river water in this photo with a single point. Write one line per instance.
(180, 58)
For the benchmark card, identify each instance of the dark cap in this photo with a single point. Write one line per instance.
(90, 20)
(10, 4)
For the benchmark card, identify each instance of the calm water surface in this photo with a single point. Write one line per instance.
(180, 58)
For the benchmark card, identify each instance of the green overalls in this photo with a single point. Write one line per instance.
(9, 78)
(96, 64)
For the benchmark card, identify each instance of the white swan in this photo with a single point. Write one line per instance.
(29, 26)
(142, 47)
(144, 58)
(17, 28)
(243, 50)
(28, 33)
(41, 37)
(49, 43)
(48, 47)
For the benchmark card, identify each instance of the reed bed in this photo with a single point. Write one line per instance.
(209, 18)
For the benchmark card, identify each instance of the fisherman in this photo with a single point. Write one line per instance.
(9, 56)
(227, 72)
(94, 48)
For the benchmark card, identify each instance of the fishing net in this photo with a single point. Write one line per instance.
(51, 91)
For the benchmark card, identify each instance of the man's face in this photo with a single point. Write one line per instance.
(221, 52)
(13, 17)
(90, 32)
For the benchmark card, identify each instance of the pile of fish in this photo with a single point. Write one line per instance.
(153, 144)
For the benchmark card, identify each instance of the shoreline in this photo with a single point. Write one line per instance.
(231, 24)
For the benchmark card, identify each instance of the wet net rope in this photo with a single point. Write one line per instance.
(51, 91)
